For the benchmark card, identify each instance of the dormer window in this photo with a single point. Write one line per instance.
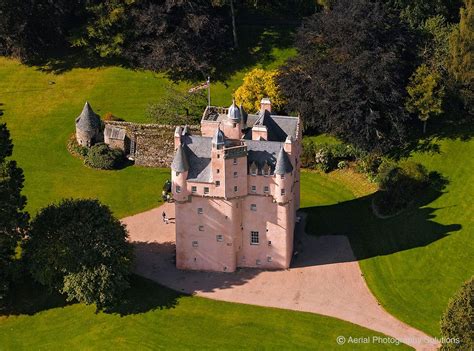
(253, 169)
(266, 169)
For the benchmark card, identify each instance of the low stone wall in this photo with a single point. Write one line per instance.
(154, 143)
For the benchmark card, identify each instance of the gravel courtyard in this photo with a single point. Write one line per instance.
(325, 278)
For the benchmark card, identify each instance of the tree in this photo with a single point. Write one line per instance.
(79, 248)
(425, 94)
(258, 84)
(458, 320)
(104, 31)
(178, 107)
(350, 74)
(462, 55)
(184, 38)
(13, 218)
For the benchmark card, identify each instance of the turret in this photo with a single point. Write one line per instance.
(88, 127)
(283, 177)
(177, 137)
(259, 129)
(232, 124)
(179, 174)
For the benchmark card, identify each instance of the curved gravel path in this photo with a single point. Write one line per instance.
(325, 279)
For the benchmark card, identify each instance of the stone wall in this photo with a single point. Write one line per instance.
(154, 143)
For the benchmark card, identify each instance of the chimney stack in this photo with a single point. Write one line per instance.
(265, 104)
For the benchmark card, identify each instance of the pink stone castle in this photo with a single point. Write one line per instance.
(236, 190)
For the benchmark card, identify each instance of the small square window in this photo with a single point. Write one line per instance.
(200, 211)
(193, 189)
(253, 207)
(178, 189)
(201, 228)
(254, 239)
(235, 188)
(206, 190)
(266, 189)
(219, 237)
(218, 156)
(254, 188)
(269, 243)
(235, 161)
(258, 262)
(218, 171)
(235, 175)
(283, 192)
(282, 176)
(177, 174)
(195, 243)
(269, 259)
(218, 182)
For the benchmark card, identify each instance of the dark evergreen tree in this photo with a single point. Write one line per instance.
(13, 218)
(350, 74)
(182, 37)
(79, 248)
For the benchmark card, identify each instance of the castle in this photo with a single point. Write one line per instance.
(236, 189)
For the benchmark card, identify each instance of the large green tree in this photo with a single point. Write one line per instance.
(79, 248)
(13, 218)
(462, 55)
(350, 74)
(457, 323)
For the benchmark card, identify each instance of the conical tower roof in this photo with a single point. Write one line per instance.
(180, 161)
(234, 112)
(218, 138)
(88, 120)
(283, 163)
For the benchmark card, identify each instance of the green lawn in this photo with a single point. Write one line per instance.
(416, 261)
(159, 318)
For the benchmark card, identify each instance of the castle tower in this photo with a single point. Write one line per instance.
(283, 177)
(88, 127)
(232, 125)
(180, 168)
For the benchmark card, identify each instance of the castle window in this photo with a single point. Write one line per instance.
(253, 207)
(218, 182)
(218, 156)
(269, 243)
(269, 259)
(235, 175)
(266, 189)
(235, 161)
(206, 190)
(219, 237)
(201, 228)
(254, 188)
(193, 189)
(235, 189)
(195, 244)
(178, 189)
(282, 176)
(200, 211)
(258, 262)
(254, 239)
(282, 192)
(177, 174)
(218, 171)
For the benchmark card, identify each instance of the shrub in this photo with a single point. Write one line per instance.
(79, 248)
(369, 164)
(75, 149)
(342, 164)
(458, 320)
(101, 156)
(400, 185)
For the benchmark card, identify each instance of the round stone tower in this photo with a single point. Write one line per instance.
(88, 127)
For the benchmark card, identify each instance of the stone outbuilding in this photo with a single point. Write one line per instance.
(88, 127)
(116, 138)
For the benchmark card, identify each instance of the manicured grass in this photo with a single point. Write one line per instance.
(413, 262)
(157, 318)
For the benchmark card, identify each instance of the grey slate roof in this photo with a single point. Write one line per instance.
(198, 151)
(283, 163)
(180, 161)
(234, 112)
(261, 152)
(219, 137)
(88, 120)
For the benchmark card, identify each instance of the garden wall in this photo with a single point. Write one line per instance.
(151, 145)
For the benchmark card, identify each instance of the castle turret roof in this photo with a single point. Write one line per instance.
(180, 161)
(283, 163)
(218, 138)
(234, 112)
(88, 120)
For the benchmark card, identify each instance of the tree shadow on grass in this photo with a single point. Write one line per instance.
(371, 236)
(28, 298)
